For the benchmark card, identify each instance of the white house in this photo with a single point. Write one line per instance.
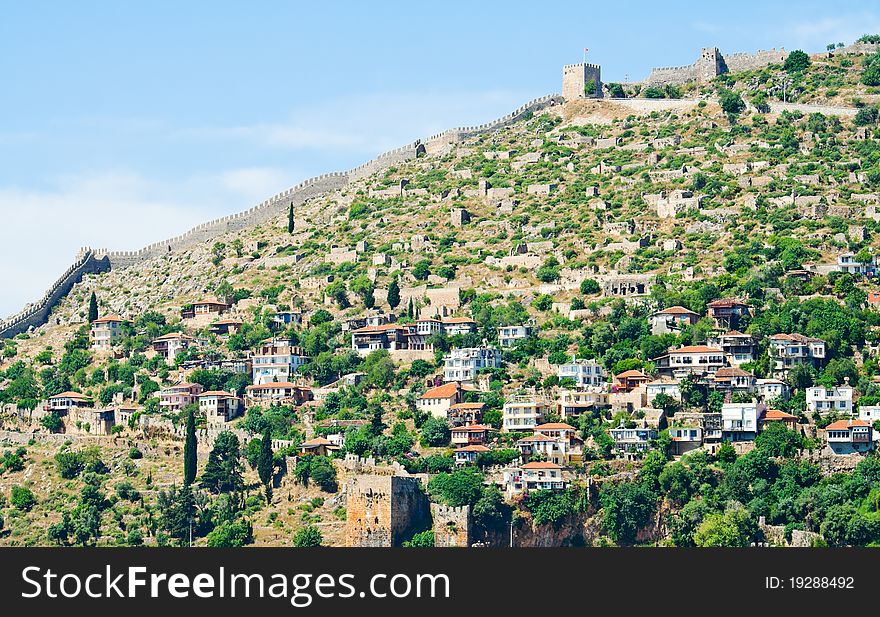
(277, 360)
(464, 364)
(586, 373)
(437, 401)
(691, 359)
(770, 389)
(869, 413)
(825, 400)
(524, 412)
(739, 421)
(669, 387)
(509, 335)
(849, 436)
(534, 476)
(788, 350)
(673, 319)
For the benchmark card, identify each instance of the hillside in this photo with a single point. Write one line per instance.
(583, 221)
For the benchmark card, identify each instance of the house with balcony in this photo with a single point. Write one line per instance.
(468, 455)
(668, 387)
(632, 441)
(319, 446)
(672, 320)
(535, 476)
(278, 392)
(509, 335)
(219, 407)
(728, 313)
(585, 373)
(64, 402)
(105, 332)
(470, 435)
(573, 403)
(523, 412)
(628, 381)
(739, 421)
(738, 347)
(788, 350)
(848, 263)
(458, 325)
(849, 436)
(685, 438)
(462, 414)
(464, 364)
(824, 400)
(277, 360)
(734, 379)
(710, 423)
(170, 345)
(174, 398)
(390, 336)
(769, 389)
(439, 400)
(775, 415)
(550, 448)
(699, 360)
(225, 327)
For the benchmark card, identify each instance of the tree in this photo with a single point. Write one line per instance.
(458, 488)
(796, 61)
(627, 508)
(422, 269)
(423, 539)
(22, 498)
(734, 528)
(435, 432)
(290, 223)
(223, 471)
(190, 454)
(93, 308)
(730, 102)
(234, 534)
(265, 464)
(52, 422)
(308, 536)
(589, 287)
(777, 440)
(394, 293)
(866, 116)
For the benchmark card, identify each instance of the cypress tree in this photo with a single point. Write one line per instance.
(189, 450)
(290, 219)
(93, 308)
(265, 463)
(394, 293)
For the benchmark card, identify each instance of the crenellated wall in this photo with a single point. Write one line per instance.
(97, 261)
(712, 63)
(36, 314)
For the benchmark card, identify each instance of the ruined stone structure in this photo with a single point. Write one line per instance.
(452, 526)
(98, 261)
(712, 63)
(384, 510)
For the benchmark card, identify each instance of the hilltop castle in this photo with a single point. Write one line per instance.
(712, 63)
(581, 81)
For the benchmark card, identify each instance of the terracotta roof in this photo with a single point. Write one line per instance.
(555, 426)
(217, 393)
(206, 301)
(842, 425)
(380, 328)
(447, 390)
(467, 406)
(69, 394)
(796, 337)
(473, 428)
(109, 318)
(541, 465)
(726, 303)
(171, 335)
(777, 414)
(696, 349)
(473, 449)
(732, 371)
(458, 320)
(676, 310)
(317, 441)
(226, 322)
(541, 438)
(186, 386)
(631, 373)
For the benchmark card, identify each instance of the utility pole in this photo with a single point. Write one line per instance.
(511, 532)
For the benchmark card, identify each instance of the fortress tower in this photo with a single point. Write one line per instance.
(581, 81)
(710, 65)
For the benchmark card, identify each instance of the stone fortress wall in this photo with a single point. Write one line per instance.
(37, 313)
(92, 261)
(712, 63)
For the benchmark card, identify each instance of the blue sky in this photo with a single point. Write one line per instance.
(125, 123)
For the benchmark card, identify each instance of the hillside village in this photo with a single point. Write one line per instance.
(640, 313)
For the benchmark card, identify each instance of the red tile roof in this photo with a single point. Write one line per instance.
(69, 394)
(541, 465)
(217, 393)
(843, 425)
(696, 349)
(631, 373)
(677, 310)
(555, 426)
(108, 319)
(473, 449)
(447, 390)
